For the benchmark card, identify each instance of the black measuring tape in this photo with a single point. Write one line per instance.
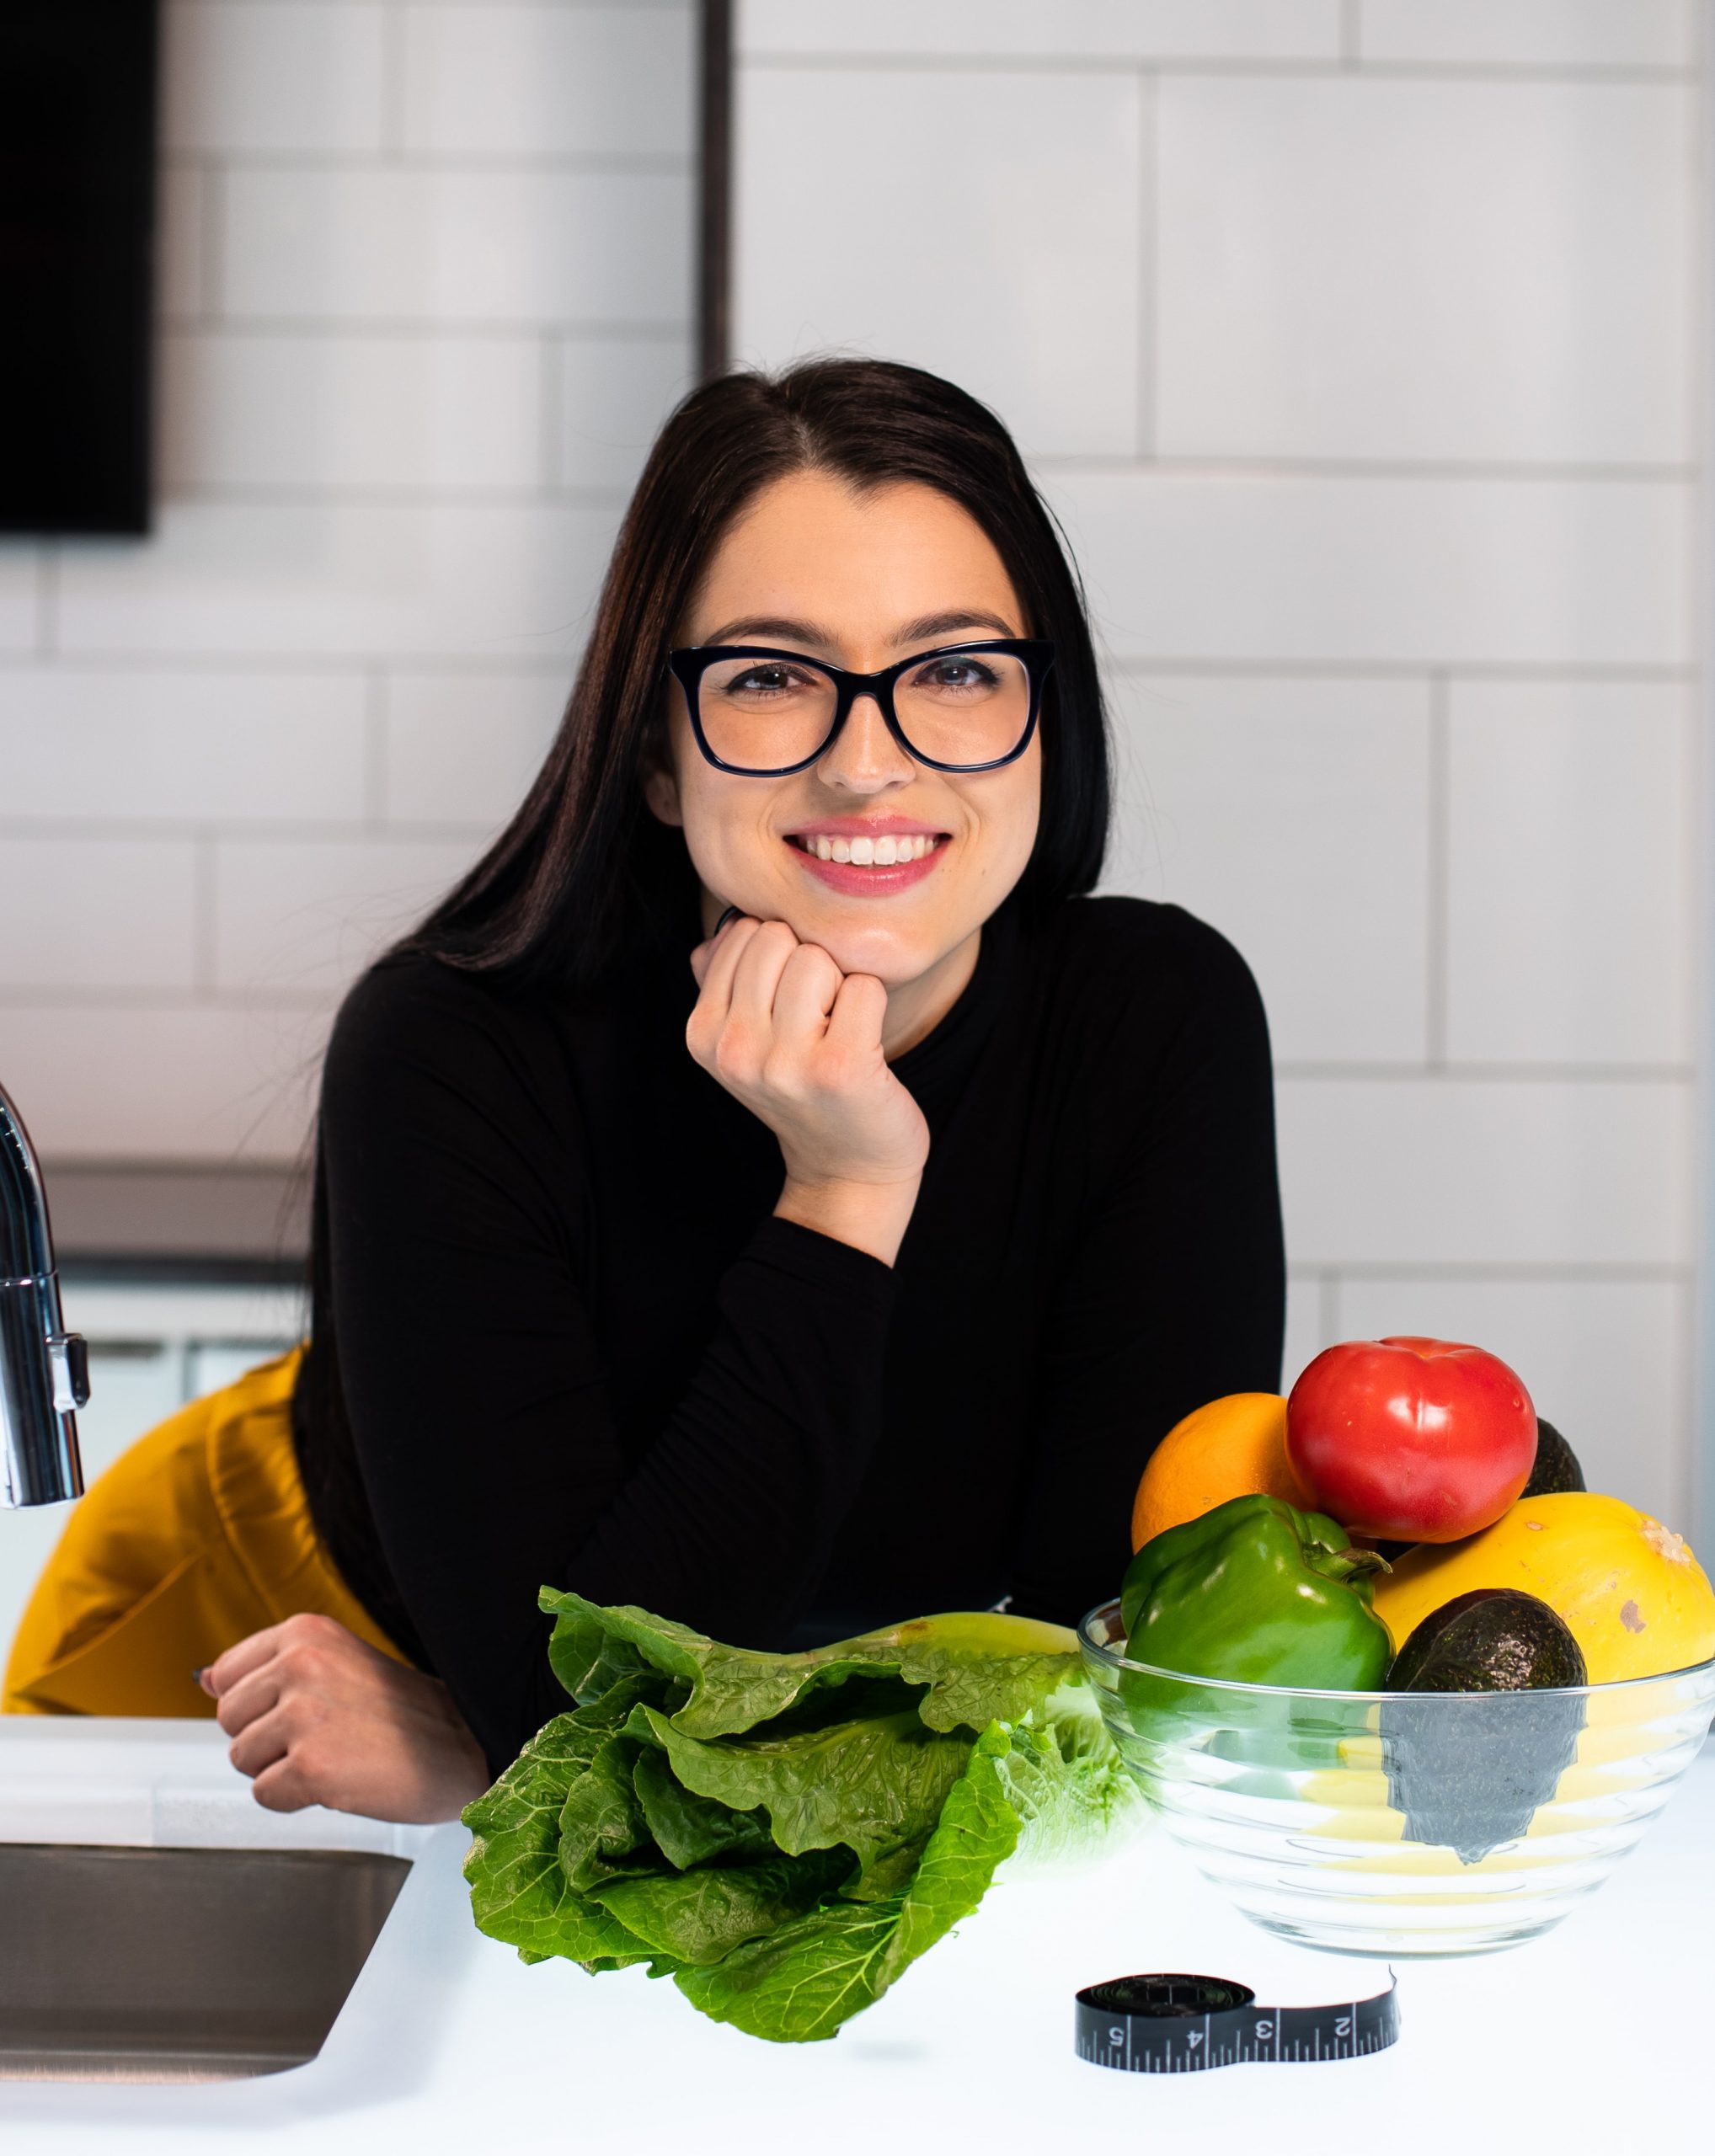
(1185, 2024)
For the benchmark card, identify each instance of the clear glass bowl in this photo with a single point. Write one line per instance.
(1395, 1823)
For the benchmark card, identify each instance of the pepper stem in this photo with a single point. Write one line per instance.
(1350, 1564)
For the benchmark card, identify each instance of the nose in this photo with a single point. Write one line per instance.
(863, 757)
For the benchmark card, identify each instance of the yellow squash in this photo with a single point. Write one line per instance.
(1628, 1589)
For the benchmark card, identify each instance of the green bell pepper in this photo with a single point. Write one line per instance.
(1258, 1593)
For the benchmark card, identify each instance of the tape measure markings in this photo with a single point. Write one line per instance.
(1139, 2025)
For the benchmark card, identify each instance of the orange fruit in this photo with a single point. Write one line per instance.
(1234, 1447)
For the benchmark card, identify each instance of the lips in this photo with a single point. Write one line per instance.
(868, 858)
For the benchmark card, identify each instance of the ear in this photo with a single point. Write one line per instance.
(660, 788)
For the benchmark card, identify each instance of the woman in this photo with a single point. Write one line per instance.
(874, 1301)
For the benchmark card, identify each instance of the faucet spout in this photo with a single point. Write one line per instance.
(44, 1370)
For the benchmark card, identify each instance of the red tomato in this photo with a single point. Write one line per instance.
(1408, 1440)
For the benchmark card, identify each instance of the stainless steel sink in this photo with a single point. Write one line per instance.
(179, 1965)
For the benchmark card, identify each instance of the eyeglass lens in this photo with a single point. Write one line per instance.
(957, 707)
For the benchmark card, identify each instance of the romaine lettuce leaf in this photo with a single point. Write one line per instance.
(800, 1984)
(975, 1666)
(785, 1834)
(873, 1785)
(520, 1890)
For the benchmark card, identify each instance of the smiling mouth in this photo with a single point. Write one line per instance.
(887, 851)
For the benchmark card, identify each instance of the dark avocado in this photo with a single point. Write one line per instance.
(1492, 1640)
(1556, 1467)
(1469, 1771)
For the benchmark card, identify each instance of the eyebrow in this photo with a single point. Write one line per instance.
(750, 627)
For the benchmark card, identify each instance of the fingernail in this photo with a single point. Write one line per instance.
(197, 1675)
(731, 913)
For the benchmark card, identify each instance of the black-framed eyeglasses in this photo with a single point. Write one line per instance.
(762, 713)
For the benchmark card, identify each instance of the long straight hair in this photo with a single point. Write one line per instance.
(554, 894)
(582, 868)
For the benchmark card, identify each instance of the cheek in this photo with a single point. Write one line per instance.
(1005, 813)
(726, 834)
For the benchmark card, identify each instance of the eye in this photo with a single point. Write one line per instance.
(962, 676)
(764, 679)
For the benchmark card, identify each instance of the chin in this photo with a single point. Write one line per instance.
(893, 956)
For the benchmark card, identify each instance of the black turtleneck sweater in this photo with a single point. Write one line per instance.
(574, 1348)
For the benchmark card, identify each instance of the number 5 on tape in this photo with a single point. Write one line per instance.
(1172, 2024)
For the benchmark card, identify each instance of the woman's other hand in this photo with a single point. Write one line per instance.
(317, 1717)
(799, 1044)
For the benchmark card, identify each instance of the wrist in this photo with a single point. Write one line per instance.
(872, 1217)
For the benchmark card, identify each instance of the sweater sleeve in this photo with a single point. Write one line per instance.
(1175, 1291)
(473, 1379)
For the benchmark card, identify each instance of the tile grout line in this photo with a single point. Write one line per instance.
(1437, 981)
(1250, 66)
(393, 83)
(430, 164)
(47, 600)
(1466, 470)
(1351, 33)
(1327, 1306)
(509, 329)
(1594, 1272)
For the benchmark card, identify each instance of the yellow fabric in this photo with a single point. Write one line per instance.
(197, 1536)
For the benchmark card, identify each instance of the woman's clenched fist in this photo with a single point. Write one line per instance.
(799, 1043)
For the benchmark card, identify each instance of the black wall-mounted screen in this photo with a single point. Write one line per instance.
(76, 244)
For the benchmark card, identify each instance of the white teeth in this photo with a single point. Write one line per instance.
(884, 852)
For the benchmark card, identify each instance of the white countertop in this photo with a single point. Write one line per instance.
(1596, 2036)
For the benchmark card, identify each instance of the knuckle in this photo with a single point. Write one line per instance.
(782, 1075)
(734, 1058)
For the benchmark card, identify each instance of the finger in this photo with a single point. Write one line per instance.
(858, 1012)
(705, 951)
(809, 984)
(262, 1744)
(238, 1661)
(758, 976)
(251, 1697)
(723, 952)
(283, 1787)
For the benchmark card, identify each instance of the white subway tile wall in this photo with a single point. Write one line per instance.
(1569, 34)
(1034, 310)
(1336, 280)
(1351, 339)
(1238, 789)
(1570, 886)
(461, 748)
(426, 281)
(1372, 421)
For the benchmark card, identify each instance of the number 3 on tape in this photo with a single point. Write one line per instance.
(1171, 2023)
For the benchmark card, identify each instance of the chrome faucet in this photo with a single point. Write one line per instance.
(44, 1370)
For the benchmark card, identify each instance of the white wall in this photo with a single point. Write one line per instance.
(1354, 345)
(426, 283)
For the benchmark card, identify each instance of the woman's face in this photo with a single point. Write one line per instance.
(860, 579)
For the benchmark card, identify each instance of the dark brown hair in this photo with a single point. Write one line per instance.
(553, 896)
(583, 865)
